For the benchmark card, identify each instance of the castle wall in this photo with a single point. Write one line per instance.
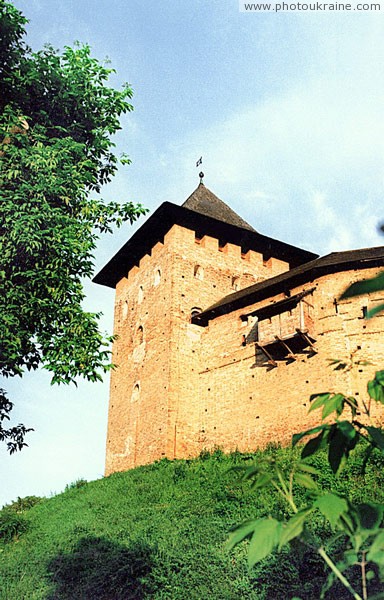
(240, 401)
(180, 387)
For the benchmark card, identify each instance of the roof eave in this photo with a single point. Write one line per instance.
(168, 214)
(302, 274)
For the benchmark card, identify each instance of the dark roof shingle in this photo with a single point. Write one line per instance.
(203, 201)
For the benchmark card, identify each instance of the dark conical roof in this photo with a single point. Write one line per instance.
(203, 201)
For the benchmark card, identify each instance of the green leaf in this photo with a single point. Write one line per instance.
(240, 533)
(331, 404)
(376, 551)
(332, 507)
(370, 515)
(347, 429)
(313, 445)
(303, 466)
(376, 387)
(377, 435)
(366, 286)
(294, 527)
(265, 538)
(340, 444)
(262, 480)
(252, 471)
(299, 436)
(374, 311)
(320, 401)
(305, 480)
(370, 575)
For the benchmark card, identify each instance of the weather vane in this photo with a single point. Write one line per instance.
(201, 174)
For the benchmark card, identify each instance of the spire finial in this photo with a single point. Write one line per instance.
(201, 174)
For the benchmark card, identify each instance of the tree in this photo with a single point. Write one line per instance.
(57, 116)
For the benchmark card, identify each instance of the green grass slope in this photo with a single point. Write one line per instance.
(157, 532)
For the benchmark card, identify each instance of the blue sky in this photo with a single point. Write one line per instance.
(286, 110)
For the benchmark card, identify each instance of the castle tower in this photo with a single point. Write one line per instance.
(181, 261)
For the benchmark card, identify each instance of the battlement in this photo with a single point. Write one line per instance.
(183, 240)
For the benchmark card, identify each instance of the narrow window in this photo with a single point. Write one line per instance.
(140, 335)
(125, 309)
(140, 295)
(365, 311)
(157, 277)
(198, 272)
(135, 393)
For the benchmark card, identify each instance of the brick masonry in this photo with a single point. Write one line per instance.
(180, 387)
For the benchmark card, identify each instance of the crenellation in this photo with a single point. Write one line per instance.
(157, 249)
(232, 250)
(132, 273)
(277, 266)
(254, 259)
(209, 243)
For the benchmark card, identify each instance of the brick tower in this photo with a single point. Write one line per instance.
(180, 262)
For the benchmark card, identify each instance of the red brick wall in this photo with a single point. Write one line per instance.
(244, 403)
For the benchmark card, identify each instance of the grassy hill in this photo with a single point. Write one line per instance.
(157, 532)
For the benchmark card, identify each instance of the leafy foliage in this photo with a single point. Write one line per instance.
(23, 504)
(13, 436)
(12, 525)
(57, 116)
(361, 523)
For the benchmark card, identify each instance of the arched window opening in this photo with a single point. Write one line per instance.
(157, 277)
(140, 296)
(135, 393)
(140, 334)
(236, 283)
(125, 309)
(198, 272)
(195, 310)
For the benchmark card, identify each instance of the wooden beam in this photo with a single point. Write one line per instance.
(290, 355)
(306, 338)
(264, 351)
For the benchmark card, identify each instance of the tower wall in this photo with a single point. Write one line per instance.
(139, 387)
(155, 346)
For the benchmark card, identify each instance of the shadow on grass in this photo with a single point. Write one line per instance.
(98, 569)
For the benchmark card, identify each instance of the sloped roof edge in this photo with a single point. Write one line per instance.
(331, 263)
(168, 214)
